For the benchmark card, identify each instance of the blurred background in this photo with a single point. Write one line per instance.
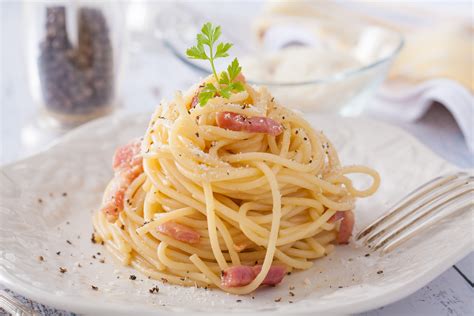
(410, 63)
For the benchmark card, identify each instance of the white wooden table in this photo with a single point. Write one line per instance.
(152, 73)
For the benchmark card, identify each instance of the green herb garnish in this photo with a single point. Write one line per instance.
(226, 84)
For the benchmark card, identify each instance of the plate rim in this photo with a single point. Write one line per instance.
(69, 304)
(91, 306)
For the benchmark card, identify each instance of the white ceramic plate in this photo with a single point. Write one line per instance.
(79, 165)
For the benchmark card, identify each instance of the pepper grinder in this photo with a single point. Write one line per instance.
(74, 58)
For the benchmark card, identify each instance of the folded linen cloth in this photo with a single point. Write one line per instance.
(410, 104)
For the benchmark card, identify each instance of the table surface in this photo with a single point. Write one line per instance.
(451, 293)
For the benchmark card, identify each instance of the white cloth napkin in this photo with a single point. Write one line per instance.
(412, 103)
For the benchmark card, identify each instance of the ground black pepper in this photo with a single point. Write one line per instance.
(154, 290)
(76, 80)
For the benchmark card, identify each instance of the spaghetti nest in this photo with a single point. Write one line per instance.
(235, 197)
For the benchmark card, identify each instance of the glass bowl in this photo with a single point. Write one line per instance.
(313, 65)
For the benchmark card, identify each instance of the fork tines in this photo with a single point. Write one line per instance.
(423, 207)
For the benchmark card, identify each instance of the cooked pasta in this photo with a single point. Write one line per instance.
(233, 194)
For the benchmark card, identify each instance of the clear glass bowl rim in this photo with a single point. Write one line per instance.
(336, 77)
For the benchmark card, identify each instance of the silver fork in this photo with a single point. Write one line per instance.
(423, 207)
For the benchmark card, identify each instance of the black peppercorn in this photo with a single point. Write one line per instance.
(76, 80)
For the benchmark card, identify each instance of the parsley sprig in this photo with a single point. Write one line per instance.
(206, 50)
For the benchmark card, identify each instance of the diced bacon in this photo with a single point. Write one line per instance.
(256, 124)
(111, 210)
(274, 276)
(114, 198)
(195, 100)
(128, 165)
(237, 276)
(345, 228)
(127, 156)
(180, 232)
(115, 194)
(337, 216)
(128, 175)
(118, 197)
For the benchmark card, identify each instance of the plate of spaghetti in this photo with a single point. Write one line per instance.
(223, 200)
